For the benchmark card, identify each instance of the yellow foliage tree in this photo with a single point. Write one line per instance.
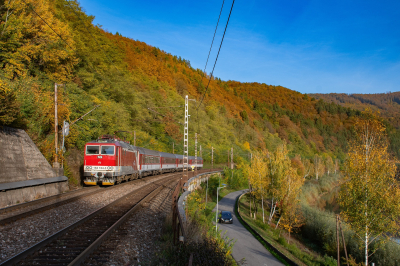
(308, 168)
(369, 198)
(279, 166)
(26, 40)
(258, 178)
(291, 216)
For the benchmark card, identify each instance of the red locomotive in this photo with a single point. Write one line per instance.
(110, 161)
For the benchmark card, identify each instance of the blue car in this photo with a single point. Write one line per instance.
(226, 217)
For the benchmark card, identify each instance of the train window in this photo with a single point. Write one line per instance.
(107, 150)
(92, 149)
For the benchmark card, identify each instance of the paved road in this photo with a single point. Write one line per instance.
(246, 245)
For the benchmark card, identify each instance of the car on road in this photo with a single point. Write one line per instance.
(226, 217)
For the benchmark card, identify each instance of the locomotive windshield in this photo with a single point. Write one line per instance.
(92, 149)
(107, 150)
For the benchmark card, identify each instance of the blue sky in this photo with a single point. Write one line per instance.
(309, 46)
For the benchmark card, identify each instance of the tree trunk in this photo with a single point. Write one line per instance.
(278, 222)
(250, 205)
(255, 208)
(271, 212)
(262, 206)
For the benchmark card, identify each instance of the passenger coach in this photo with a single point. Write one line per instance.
(110, 161)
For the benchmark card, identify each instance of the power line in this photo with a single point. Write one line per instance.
(79, 17)
(216, 59)
(214, 36)
(30, 6)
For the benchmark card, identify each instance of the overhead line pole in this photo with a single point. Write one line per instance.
(56, 164)
(186, 141)
(212, 157)
(338, 240)
(195, 154)
(232, 158)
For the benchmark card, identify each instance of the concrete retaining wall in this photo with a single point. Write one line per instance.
(25, 194)
(25, 174)
(20, 159)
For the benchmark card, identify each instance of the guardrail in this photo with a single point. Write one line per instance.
(192, 184)
(178, 202)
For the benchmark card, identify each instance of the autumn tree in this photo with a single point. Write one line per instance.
(291, 216)
(329, 164)
(308, 168)
(27, 42)
(297, 164)
(9, 107)
(279, 166)
(336, 165)
(369, 198)
(257, 174)
(319, 167)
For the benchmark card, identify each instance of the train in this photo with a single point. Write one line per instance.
(109, 161)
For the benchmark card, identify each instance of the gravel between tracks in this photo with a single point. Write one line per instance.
(20, 235)
(135, 242)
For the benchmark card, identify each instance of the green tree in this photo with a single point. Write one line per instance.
(9, 107)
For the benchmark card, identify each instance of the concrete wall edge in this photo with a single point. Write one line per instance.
(32, 182)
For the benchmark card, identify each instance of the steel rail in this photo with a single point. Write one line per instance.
(21, 256)
(21, 215)
(88, 251)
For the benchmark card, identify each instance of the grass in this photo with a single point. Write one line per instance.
(207, 247)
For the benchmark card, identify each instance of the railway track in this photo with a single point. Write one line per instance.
(135, 241)
(72, 245)
(16, 212)
(20, 211)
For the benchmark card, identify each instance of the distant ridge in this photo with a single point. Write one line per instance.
(388, 104)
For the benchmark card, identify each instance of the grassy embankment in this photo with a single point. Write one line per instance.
(207, 247)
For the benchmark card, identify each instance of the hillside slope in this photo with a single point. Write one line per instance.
(388, 104)
(141, 88)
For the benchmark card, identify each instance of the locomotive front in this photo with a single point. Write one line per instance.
(100, 162)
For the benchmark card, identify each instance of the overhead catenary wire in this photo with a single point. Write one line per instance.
(216, 59)
(30, 5)
(72, 49)
(163, 115)
(209, 52)
(212, 72)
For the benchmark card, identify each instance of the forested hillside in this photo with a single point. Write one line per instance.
(388, 104)
(46, 42)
